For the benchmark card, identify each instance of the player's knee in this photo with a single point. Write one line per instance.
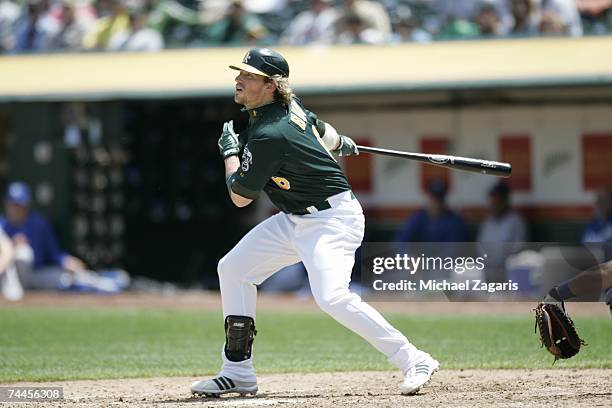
(224, 266)
(231, 267)
(24, 254)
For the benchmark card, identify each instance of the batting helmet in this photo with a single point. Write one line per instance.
(263, 61)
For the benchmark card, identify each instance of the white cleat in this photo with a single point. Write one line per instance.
(419, 375)
(223, 385)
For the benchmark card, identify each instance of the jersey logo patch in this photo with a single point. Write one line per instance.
(298, 116)
(297, 110)
(282, 183)
(247, 159)
(298, 121)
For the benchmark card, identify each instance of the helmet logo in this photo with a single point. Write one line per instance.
(247, 57)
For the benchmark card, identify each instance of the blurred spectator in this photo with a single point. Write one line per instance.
(315, 25)
(138, 37)
(551, 24)
(525, 17)
(40, 263)
(460, 18)
(265, 6)
(112, 18)
(503, 226)
(71, 32)
(596, 15)
(488, 21)
(459, 29)
(459, 9)
(178, 23)
(9, 13)
(372, 15)
(237, 27)
(408, 28)
(599, 228)
(503, 223)
(357, 32)
(560, 13)
(34, 28)
(436, 223)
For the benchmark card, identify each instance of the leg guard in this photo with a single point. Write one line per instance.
(239, 334)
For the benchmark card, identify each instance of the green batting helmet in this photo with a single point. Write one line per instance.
(263, 61)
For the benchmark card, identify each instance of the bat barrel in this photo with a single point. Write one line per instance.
(489, 167)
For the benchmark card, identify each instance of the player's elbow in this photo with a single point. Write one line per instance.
(240, 201)
(241, 204)
(331, 138)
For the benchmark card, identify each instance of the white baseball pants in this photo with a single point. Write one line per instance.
(325, 241)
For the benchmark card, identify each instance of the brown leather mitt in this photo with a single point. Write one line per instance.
(557, 331)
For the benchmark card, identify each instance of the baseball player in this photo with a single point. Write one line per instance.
(285, 151)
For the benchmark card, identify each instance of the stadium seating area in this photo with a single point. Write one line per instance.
(45, 26)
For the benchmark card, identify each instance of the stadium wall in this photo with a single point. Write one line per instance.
(560, 154)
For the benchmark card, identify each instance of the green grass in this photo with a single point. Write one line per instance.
(62, 344)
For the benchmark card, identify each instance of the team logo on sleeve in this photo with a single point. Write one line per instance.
(247, 160)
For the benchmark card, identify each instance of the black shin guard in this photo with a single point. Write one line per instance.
(239, 334)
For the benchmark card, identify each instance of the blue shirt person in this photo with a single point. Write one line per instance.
(30, 230)
(599, 229)
(436, 222)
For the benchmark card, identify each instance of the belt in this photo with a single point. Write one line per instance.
(323, 205)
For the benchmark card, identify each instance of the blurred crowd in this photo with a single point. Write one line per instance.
(34, 26)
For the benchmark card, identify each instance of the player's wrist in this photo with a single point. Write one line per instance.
(226, 154)
(346, 147)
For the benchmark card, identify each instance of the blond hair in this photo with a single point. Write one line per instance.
(283, 91)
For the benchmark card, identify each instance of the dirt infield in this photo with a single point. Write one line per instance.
(465, 388)
(202, 300)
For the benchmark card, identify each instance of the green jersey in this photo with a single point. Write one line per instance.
(284, 156)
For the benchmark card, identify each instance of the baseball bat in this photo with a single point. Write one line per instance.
(492, 168)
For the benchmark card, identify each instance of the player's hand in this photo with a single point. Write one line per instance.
(228, 142)
(73, 264)
(553, 298)
(347, 147)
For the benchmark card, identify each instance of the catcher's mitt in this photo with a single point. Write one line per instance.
(557, 331)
